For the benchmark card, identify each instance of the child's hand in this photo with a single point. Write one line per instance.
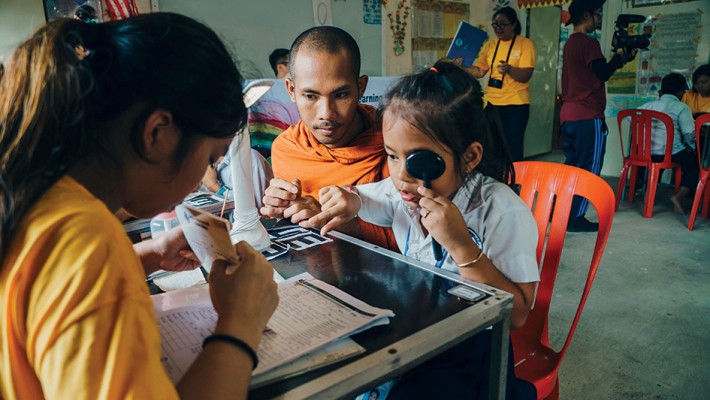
(301, 209)
(443, 220)
(210, 179)
(338, 206)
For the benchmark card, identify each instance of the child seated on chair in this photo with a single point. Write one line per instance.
(487, 232)
(673, 86)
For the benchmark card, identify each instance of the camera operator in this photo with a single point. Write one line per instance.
(584, 71)
(510, 59)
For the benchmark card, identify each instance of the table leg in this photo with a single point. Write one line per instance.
(499, 359)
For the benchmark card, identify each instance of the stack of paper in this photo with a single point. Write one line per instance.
(311, 314)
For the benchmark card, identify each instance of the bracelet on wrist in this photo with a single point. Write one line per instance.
(234, 342)
(472, 262)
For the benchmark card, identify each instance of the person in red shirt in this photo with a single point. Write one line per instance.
(584, 71)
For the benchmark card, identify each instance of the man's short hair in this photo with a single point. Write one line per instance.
(673, 83)
(327, 39)
(277, 57)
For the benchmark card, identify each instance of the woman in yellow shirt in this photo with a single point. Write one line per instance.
(133, 124)
(509, 60)
(698, 97)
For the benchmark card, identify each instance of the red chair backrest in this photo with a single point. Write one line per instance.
(542, 185)
(641, 132)
(699, 122)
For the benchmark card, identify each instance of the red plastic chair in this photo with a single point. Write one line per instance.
(640, 155)
(546, 187)
(702, 192)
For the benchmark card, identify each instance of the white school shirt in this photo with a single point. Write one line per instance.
(499, 222)
(683, 125)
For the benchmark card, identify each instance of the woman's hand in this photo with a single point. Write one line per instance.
(473, 70)
(244, 295)
(503, 67)
(338, 207)
(521, 75)
(170, 252)
(176, 254)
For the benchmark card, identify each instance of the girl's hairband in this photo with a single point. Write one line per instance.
(434, 69)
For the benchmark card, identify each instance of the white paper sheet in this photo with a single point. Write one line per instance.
(179, 280)
(310, 315)
(207, 234)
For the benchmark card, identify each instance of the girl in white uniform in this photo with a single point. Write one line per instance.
(487, 233)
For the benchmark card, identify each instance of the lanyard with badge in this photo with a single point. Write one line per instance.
(498, 83)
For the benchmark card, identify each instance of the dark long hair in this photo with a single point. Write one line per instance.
(512, 16)
(55, 105)
(446, 103)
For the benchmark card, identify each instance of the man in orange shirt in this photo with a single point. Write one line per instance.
(336, 142)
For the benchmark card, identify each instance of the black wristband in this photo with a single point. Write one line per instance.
(235, 342)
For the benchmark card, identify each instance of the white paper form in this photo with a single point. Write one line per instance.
(181, 334)
(180, 279)
(310, 315)
(326, 355)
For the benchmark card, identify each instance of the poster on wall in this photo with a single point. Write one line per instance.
(372, 12)
(624, 79)
(86, 10)
(674, 44)
(643, 3)
(435, 25)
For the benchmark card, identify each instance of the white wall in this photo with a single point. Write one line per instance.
(251, 29)
(18, 19)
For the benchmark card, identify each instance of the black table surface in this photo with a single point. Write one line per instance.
(418, 297)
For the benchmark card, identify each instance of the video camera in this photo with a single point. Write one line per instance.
(622, 39)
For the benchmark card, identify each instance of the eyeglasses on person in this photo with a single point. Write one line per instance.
(497, 25)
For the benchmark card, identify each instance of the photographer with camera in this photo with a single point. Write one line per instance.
(511, 60)
(584, 71)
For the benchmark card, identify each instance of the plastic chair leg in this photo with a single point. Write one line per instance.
(651, 187)
(699, 192)
(678, 173)
(706, 196)
(620, 187)
(555, 394)
(632, 183)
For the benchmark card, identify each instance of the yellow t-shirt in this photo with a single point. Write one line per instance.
(521, 56)
(76, 320)
(696, 102)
